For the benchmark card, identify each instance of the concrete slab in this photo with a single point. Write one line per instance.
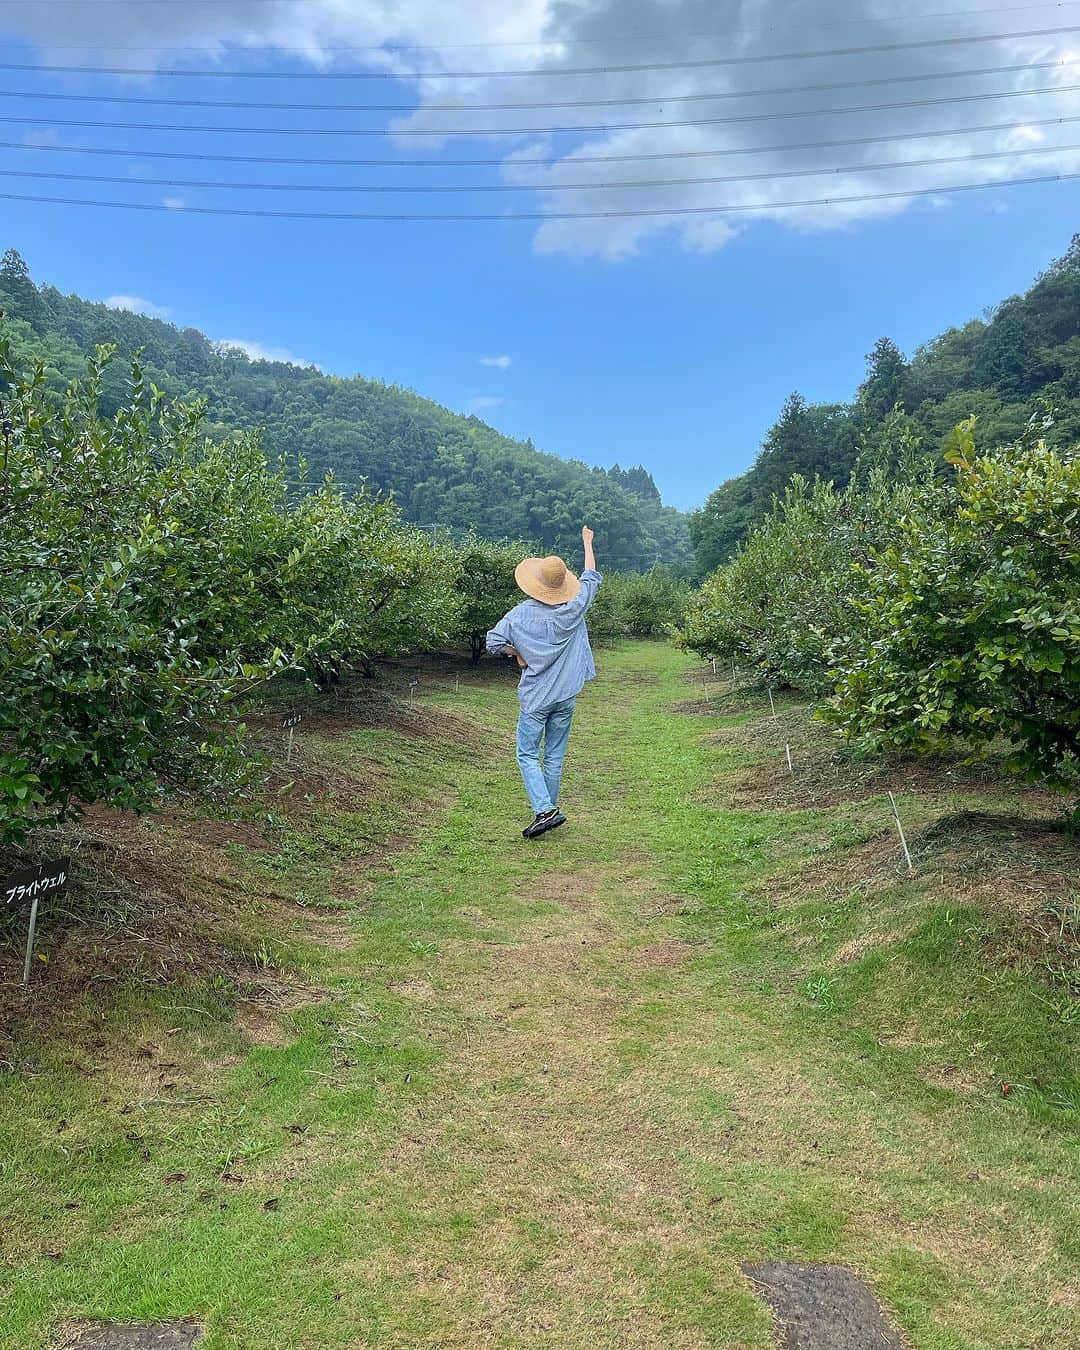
(133, 1336)
(822, 1307)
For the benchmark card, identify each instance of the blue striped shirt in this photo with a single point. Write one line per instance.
(554, 643)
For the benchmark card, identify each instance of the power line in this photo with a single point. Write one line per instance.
(583, 129)
(537, 187)
(390, 47)
(248, 105)
(723, 151)
(521, 72)
(674, 211)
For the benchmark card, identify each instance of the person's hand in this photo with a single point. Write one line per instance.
(586, 535)
(522, 663)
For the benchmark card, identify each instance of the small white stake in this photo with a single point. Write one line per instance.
(457, 684)
(288, 752)
(30, 941)
(790, 766)
(705, 689)
(772, 705)
(714, 665)
(732, 670)
(900, 831)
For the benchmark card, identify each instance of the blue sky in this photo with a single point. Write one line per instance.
(668, 344)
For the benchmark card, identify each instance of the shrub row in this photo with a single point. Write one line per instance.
(648, 604)
(923, 612)
(154, 579)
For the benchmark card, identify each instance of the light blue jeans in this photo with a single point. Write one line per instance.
(542, 770)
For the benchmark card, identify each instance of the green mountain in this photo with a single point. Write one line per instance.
(444, 470)
(1021, 360)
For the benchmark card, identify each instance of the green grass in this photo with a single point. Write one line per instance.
(557, 1092)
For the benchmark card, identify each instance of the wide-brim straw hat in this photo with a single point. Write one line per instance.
(548, 580)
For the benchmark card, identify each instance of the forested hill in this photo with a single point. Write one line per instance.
(442, 468)
(1022, 358)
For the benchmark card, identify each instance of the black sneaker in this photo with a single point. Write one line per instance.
(546, 820)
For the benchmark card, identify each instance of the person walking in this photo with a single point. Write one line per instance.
(547, 635)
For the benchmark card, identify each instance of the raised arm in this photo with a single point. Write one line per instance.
(573, 611)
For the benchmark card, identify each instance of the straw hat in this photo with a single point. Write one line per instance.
(548, 580)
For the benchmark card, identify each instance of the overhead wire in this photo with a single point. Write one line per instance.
(391, 189)
(936, 133)
(580, 129)
(249, 105)
(552, 130)
(670, 212)
(521, 72)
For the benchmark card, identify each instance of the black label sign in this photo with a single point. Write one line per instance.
(290, 720)
(32, 883)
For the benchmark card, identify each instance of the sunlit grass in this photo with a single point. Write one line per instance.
(556, 1093)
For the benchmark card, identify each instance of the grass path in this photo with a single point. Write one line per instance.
(560, 1092)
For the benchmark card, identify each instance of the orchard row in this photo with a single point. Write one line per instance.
(927, 608)
(155, 581)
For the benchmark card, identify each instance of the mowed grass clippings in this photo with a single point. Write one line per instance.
(557, 1093)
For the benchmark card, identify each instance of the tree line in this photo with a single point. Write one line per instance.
(1022, 359)
(441, 468)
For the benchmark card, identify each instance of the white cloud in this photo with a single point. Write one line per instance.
(497, 362)
(486, 402)
(137, 304)
(259, 351)
(1024, 136)
(173, 203)
(312, 28)
(740, 131)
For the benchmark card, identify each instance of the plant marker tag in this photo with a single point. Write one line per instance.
(790, 766)
(772, 705)
(413, 685)
(289, 723)
(900, 831)
(27, 886)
